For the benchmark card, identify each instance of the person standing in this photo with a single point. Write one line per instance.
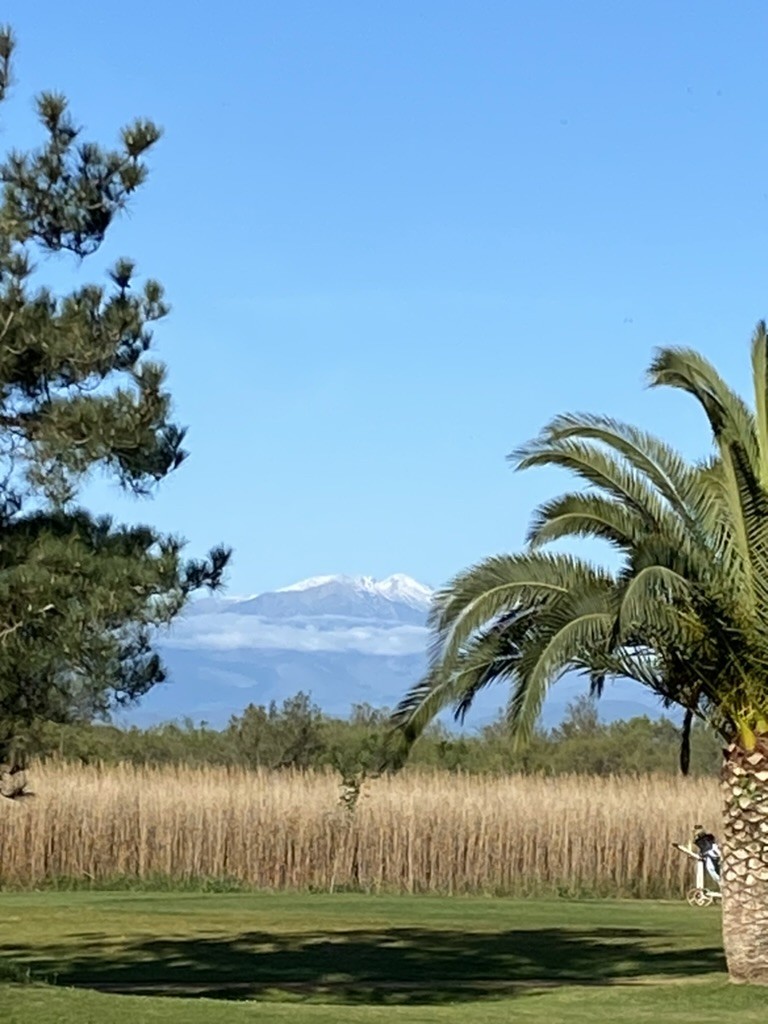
(709, 851)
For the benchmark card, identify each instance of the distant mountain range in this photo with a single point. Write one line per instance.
(355, 598)
(343, 639)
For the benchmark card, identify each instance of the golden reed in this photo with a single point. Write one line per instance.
(415, 832)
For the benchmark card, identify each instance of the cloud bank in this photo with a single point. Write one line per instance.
(248, 632)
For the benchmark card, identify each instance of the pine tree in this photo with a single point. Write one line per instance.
(80, 596)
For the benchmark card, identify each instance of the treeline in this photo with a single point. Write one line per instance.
(296, 734)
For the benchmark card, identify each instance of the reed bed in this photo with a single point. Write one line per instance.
(414, 832)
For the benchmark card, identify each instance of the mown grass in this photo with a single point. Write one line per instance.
(710, 1003)
(347, 947)
(354, 959)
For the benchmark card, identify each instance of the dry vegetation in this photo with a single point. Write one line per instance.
(415, 832)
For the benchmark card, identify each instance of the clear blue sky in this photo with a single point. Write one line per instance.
(399, 236)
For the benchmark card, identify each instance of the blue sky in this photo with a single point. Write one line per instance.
(399, 237)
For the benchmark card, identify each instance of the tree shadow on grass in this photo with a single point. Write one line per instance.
(395, 965)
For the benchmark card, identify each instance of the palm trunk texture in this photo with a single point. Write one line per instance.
(745, 863)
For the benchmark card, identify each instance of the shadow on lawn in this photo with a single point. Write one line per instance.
(397, 965)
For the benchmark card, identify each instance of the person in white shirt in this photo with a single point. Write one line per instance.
(709, 851)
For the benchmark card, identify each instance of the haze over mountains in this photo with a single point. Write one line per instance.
(343, 639)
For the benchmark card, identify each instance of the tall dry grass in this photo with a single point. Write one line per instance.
(417, 832)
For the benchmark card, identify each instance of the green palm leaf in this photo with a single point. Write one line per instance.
(542, 663)
(687, 612)
(585, 515)
(489, 657)
(726, 411)
(663, 467)
(598, 468)
(497, 586)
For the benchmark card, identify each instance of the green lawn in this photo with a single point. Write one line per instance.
(352, 959)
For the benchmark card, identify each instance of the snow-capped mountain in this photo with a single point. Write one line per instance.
(397, 587)
(343, 639)
(395, 599)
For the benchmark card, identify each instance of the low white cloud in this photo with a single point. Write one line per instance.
(241, 632)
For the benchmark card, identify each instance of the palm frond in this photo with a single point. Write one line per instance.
(747, 527)
(658, 603)
(498, 586)
(727, 412)
(548, 658)
(581, 514)
(598, 468)
(759, 352)
(686, 614)
(488, 657)
(665, 469)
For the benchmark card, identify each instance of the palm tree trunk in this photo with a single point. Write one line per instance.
(745, 863)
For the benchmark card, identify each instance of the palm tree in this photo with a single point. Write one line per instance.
(685, 613)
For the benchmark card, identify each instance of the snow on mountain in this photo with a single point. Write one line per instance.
(400, 587)
(310, 584)
(343, 639)
(398, 598)
(397, 588)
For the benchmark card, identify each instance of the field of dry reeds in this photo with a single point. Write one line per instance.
(415, 832)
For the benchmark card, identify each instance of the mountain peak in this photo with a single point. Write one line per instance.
(310, 583)
(398, 587)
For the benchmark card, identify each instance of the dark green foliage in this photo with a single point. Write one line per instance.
(296, 734)
(14, 974)
(685, 613)
(79, 595)
(279, 737)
